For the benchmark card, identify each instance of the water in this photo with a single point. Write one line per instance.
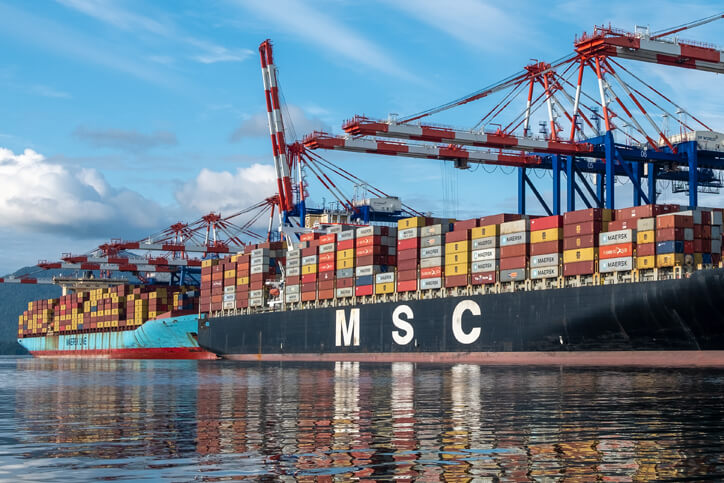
(186, 420)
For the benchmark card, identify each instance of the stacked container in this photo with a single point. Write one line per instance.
(514, 250)
(409, 232)
(243, 278)
(458, 253)
(581, 230)
(484, 254)
(345, 264)
(229, 294)
(546, 247)
(293, 274)
(674, 238)
(207, 267)
(616, 250)
(375, 252)
(326, 266)
(432, 255)
(310, 261)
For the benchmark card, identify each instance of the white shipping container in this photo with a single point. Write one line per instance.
(229, 297)
(345, 273)
(688, 234)
(430, 252)
(255, 293)
(543, 272)
(548, 260)
(616, 237)
(646, 224)
(291, 298)
(291, 271)
(487, 242)
(231, 305)
(385, 277)
(485, 254)
(716, 246)
(230, 289)
(431, 241)
(408, 233)
(715, 232)
(294, 262)
(510, 227)
(369, 231)
(259, 261)
(432, 262)
(326, 248)
(309, 260)
(430, 283)
(345, 292)
(366, 270)
(258, 269)
(260, 252)
(716, 218)
(256, 302)
(514, 239)
(345, 235)
(292, 289)
(334, 229)
(615, 264)
(484, 266)
(433, 230)
(295, 253)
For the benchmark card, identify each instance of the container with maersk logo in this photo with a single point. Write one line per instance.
(544, 272)
(621, 264)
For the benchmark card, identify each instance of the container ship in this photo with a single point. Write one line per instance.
(641, 285)
(120, 322)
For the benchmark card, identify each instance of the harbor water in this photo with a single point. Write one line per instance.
(79, 420)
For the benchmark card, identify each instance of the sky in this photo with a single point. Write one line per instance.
(120, 118)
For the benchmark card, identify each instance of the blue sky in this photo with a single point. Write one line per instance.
(138, 114)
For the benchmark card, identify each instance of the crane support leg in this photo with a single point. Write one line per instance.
(590, 191)
(610, 178)
(521, 191)
(538, 195)
(570, 185)
(600, 185)
(690, 149)
(556, 161)
(652, 182)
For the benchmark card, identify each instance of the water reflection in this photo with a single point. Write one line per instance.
(327, 422)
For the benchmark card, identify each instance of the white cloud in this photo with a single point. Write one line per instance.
(43, 197)
(323, 30)
(473, 22)
(225, 192)
(298, 122)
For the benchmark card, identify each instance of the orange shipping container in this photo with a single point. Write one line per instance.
(615, 251)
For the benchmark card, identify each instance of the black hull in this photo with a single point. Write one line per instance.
(672, 321)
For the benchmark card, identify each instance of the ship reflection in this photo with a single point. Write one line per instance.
(324, 422)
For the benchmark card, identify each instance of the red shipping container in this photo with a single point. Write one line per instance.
(578, 268)
(325, 294)
(407, 275)
(345, 245)
(309, 296)
(366, 241)
(308, 236)
(327, 267)
(591, 214)
(698, 231)
(689, 247)
(706, 232)
(628, 224)
(514, 251)
(575, 242)
(324, 276)
(256, 277)
(411, 254)
(674, 221)
(615, 251)
(410, 243)
(256, 285)
(328, 238)
(407, 286)
(457, 236)
(309, 286)
(513, 262)
(699, 246)
(646, 249)
(363, 290)
(669, 234)
(498, 219)
(371, 250)
(430, 272)
(345, 282)
(546, 222)
(293, 279)
(465, 224)
(308, 252)
(716, 258)
(407, 264)
(545, 248)
(483, 278)
(372, 260)
(326, 285)
(456, 281)
(309, 277)
(645, 211)
(584, 228)
(327, 257)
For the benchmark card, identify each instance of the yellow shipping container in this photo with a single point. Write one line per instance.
(347, 263)
(230, 274)
(579, 255)
(455, 258)
(646, 262)
(383, 288)
(698, 259)
(242, 281)
(235, 258)
(457, 247)
(648, 236)
(669, 259)
(345, 254)
(456, 269)
(414, 222)
(485, 231)
(307, 269)
(551, 234)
